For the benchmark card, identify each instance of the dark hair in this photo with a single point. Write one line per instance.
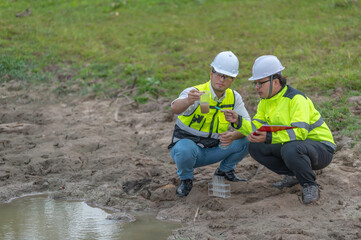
(282, 79)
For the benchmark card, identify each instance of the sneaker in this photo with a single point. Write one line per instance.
(185, 187)
(309, 193)
(230, 175)
(287, 181)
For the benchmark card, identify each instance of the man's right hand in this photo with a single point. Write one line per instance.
(257, 137)
(194, 95)
(180, 105)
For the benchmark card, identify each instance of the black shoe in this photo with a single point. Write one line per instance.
(309, 193)
(230, 175)
(287, 181)
(185, 187)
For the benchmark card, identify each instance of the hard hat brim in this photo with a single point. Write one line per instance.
(266, 75)
(224, 72)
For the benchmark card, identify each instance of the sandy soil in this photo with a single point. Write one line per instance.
(77, 150)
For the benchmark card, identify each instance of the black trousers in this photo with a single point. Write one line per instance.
(296, 158)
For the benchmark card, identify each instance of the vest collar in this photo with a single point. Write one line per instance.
(279, 94)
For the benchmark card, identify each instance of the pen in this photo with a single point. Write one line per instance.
(219, 108)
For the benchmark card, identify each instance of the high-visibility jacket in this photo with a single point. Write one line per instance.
(292, 108)
(202, 128)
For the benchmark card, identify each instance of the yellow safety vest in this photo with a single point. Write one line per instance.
(292, 108)
(202, 128)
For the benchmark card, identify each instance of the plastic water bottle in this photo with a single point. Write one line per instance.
(223, 147)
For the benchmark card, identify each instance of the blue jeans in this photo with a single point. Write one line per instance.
(188, 155)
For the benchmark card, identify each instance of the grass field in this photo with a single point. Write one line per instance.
(103, 47)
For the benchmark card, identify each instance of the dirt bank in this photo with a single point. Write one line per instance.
(77, 150)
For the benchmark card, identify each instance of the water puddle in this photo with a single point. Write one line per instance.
(43, 218)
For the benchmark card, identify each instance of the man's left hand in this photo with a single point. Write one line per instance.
(231, 116)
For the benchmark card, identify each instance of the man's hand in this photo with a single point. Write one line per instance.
(231, 116)
(257, 137)
(181, 105)
(226, 138)
(194, 95)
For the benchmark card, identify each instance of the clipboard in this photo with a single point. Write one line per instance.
(273, 128)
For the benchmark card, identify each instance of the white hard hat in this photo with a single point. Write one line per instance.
(226, 63)
(265, 66)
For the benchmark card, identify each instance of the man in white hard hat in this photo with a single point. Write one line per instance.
(293, 152)
(197, 135)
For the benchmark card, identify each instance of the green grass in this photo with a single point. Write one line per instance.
(100, 46)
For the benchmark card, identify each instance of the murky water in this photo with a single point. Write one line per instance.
(42, 218)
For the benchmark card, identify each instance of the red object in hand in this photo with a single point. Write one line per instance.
(272, 128)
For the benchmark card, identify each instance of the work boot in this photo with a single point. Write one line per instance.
(309, 193)
(230, 175)
(185, 187)
(287, 181)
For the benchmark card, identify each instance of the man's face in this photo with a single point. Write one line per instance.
(262, 87)
(220, 82)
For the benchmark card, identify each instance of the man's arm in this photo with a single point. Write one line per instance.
(237, 135)
(239, 117)
(180, 105)
(239, 107)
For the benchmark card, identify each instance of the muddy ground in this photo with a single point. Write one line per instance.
(87, 149)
